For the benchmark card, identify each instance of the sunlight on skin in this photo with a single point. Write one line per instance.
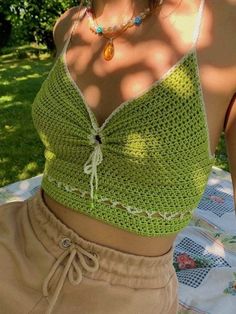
(160, 58)
(205, 39)
(164, 57)
(231, 1)
(184, 27)
(130, 89)
(10, 61)
(101, 68)
(185, 33)
(114, 20)
(136, 88)
(119, 55)
(92, 95)
(83, 63)
(211, 83)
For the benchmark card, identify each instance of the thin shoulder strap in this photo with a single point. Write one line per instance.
(77, 21)
(198, 23)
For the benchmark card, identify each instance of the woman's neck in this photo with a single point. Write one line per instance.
(111, 12)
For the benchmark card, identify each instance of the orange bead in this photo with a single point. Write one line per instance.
(108, 51)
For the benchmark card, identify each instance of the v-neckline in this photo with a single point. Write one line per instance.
(156, 83)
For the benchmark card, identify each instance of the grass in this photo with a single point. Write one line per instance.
(21, 151)
(22, 71)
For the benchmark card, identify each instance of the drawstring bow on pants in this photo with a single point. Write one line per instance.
(73, 254)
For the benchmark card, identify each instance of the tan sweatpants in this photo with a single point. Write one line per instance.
(45, 267)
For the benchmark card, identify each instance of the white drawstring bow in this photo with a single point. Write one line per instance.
(95, 158)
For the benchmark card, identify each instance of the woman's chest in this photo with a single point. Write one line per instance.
(152, 58)
(136, 68)
(176, 82)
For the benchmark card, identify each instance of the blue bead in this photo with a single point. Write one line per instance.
(137, 20)
(99, 29)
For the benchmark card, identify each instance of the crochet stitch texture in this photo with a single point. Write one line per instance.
(155, 151)
(145, 168)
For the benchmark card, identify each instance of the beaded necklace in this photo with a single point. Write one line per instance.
(113, 32)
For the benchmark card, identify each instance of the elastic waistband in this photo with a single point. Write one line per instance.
(114, 266)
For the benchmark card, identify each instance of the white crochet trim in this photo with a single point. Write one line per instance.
(166, 216)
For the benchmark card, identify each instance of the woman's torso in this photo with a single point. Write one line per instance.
(133, 69)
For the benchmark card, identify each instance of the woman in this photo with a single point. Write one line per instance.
(130, 127)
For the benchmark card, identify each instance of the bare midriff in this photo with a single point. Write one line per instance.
(101, 233)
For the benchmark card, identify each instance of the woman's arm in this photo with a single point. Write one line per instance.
(230, 119)
(230, 136)
(62, 27)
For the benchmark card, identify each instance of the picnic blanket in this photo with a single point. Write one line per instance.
(204, 251)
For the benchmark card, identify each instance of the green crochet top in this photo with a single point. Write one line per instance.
(145, 169)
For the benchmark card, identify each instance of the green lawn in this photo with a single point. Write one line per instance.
(21, 152)
(22, 71)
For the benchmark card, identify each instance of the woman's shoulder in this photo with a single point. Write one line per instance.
(219, 29)
(64, 24)
(224, 10)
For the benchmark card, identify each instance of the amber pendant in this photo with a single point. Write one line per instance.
(109, 50)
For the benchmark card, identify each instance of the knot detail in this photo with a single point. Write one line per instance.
(74, 256)
(95, 158)
(98, 138)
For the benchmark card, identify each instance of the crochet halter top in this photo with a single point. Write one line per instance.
(146, 167)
